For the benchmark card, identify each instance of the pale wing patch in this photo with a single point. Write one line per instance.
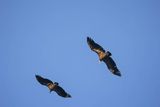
(97, 51)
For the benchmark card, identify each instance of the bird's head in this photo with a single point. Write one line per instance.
(108, 53)
(56, 83)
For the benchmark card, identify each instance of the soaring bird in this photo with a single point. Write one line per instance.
(52, 86)
(104, 56)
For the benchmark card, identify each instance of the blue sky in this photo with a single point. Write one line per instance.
(48, 37)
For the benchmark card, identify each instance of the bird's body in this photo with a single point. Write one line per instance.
(52, 86)
(104, 56)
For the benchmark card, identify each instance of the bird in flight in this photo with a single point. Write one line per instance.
(104, 56)
(52, 86)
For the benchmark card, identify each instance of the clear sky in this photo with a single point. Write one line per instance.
(48, 37)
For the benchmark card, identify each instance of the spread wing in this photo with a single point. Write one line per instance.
(61, 92)
(111, 65)
(43, 81)
(94, 46)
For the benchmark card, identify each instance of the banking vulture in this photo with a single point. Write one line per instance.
(104, 56)
(52, 86)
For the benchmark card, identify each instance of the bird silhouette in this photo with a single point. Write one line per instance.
(52, 86)
(104, 56)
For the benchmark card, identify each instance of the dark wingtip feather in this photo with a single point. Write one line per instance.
(117, 73)
(37, 76)
(88, 39)
(69, 96)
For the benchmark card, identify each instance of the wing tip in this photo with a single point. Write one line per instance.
(89, 38)
(37, 76)
(117, 73)
(90, 41)
(69, 96)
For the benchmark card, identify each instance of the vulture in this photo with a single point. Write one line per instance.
(52, 86)
(104, 56)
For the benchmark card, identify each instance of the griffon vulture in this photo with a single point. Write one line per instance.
(104, 56)
(52, 86)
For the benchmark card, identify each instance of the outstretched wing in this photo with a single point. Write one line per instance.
(112, 66)
(94, 46)
(43, 81)
(61, 92)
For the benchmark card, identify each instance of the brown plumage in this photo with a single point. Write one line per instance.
(52, 86)
(104, 56)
